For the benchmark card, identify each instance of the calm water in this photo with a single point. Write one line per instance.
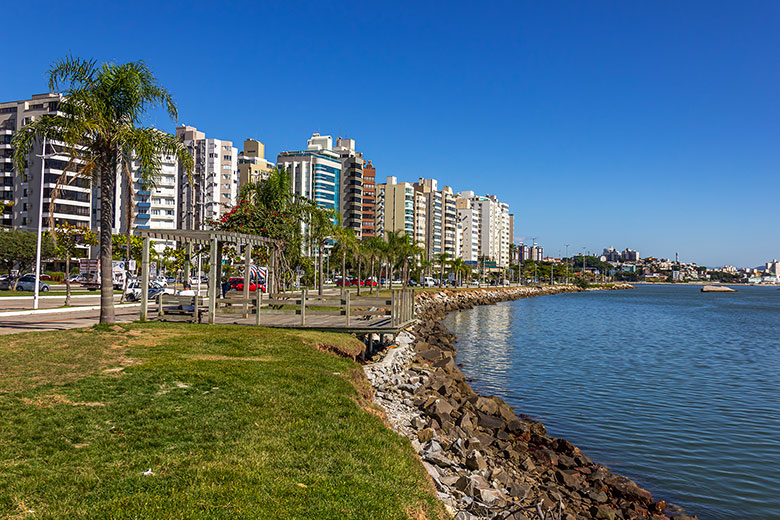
(674, 388)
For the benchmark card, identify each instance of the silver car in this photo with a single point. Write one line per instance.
(26, 283)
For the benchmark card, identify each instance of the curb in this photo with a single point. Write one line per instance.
(11, 314)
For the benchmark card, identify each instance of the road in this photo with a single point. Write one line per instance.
(60, 321)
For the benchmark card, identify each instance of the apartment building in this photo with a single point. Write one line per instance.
(20, 191)
(368, 223)
(351, 189)
(401, 208)
(471, 224)
(213, 188)
(450, 223)
(431, 211)
(315, 172)
(252, 165)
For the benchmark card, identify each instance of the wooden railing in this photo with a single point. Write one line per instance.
(398, 307)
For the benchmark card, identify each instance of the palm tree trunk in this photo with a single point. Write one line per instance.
(343, 273)
(390, 267)
(360, 266)
(319, 269)
(67, 279)
(406, 273)
(107, 181)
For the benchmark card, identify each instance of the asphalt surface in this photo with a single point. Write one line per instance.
(61, 321)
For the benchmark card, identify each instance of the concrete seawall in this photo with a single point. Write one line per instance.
(486, 461)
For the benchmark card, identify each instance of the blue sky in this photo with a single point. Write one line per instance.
(652, 125)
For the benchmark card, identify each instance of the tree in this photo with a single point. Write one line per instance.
(458, 267)
(442, 258)
(270, 209)
(397, 241)
(67, 239)
(320, 230)
(375, 251)
(347, 243)
(18, 248)
(98, 120)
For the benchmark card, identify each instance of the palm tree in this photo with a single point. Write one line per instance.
(374, 248)
(458, 266)
(425, 266)
(346, 246)
(396, 242)
(442, 258)
(98, 120)
(320, 229)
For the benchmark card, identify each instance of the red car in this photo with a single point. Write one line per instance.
(369, 283)
(237, 284)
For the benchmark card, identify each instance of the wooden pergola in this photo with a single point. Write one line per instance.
(215, 241)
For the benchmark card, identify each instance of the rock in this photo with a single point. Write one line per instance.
(425, 434)
(519, 491)
(465, 515)
(437, 458)
(602, 511)
(567, 478)
(628, 489)
(595, 495)
(717, 288)
(491, 497)
(475, 461)
(488, 422)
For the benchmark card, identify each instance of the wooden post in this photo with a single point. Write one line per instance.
(195, 309)
(247, 266)
(259, 303)
(270, 279)
(348, 309)
(392, 308)
(303, 307)
(187, 264)
(213, 282)
(145, 280)
(160, 308)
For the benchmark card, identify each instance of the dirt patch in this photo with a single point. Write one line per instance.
(49, 400)
(348, 350)
(215, 357)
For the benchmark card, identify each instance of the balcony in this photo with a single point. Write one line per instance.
(142, 216)
(143, 205)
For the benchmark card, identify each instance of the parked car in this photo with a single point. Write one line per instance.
(43, 276)
(76, 278)
(133, 292)
(25, 283)
(369, 282)
(237, 284)
(170, 279)
(412, 282)
(429, 282)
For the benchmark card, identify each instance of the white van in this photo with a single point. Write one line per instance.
(429, 282)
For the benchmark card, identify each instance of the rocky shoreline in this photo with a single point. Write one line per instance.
(485, 461)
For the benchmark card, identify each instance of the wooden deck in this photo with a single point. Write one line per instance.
(362, 315)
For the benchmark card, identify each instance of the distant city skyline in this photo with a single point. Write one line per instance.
(649, 126)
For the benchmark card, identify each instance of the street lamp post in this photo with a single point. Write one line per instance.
(567, 263)
(40, 228)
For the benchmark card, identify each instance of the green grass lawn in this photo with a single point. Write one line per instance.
(234, 422)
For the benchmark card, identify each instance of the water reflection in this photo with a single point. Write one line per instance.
(675, 388)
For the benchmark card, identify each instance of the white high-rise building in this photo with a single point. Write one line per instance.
(470, 221)
(20, 191)
(486, 228)
(214, 186)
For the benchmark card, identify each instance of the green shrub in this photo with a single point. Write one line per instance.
(582, 283)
